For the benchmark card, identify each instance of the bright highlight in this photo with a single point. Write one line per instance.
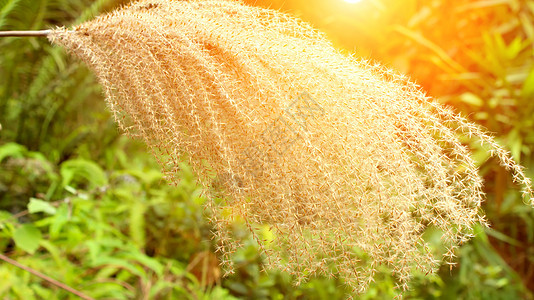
(352, 1)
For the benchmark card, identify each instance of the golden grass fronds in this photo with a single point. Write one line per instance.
(336, 165)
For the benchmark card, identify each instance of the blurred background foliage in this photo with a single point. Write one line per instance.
(90, 208)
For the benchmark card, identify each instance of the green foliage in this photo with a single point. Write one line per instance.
(37, 205)
(93, 236)
(27, 237)
(482, 274)
(43, 106)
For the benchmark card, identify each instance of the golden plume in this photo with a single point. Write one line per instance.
(335, 165)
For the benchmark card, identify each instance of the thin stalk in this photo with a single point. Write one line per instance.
(44, 277)
(24, 33)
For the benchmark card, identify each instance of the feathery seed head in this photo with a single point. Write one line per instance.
(343, 163)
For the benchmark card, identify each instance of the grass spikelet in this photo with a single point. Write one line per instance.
(344, 162)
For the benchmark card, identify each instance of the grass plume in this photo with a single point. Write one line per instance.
(336, 165)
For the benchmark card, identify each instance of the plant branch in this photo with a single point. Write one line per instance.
(44, 277)
(24, 33)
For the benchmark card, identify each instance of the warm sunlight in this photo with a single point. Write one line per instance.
(352, 1)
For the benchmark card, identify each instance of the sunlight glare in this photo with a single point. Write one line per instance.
(352, 1)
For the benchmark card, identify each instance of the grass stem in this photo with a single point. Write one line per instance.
(24, 33)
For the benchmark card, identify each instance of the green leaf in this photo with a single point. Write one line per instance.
(502, 237)
(147, 261)
(514, 48)
(27, 238)
(59, 220)
(528, 86)
(515, 143)
(55, 252)
(38, 205)
(83, 169)
(137, 223)
(472, 99)
(5, 218)
(121, 263)
(12, 150)
(6, 9)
